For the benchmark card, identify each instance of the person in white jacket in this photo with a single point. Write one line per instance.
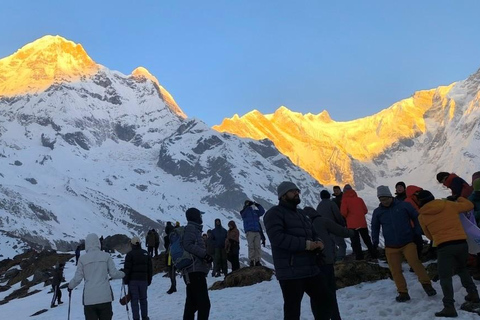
(96, 267)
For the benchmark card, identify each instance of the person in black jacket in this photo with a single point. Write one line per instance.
(295, 251)
(337, 192)
(138, 276)
(56, 280)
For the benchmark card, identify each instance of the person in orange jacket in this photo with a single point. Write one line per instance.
(353, 209)
(440, 221)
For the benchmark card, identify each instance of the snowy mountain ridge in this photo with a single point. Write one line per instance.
(110, 153)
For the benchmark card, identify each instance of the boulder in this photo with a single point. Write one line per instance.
(351, 273)
(244, 277)
(117, 242)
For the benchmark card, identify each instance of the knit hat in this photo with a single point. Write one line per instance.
(347, 187)
(442, 175)
(424, 197)
(135, 240)
(324, 194)
(476, 184)
(284, 187)
(194, 215)
(401, 183)
(383, 191)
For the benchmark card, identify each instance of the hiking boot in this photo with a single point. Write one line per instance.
(252, 263)
(171, 290)
(258, 264)
(429, 290)
(402, 297)
(447, 312)
(53, 306)
(60, 302)
(472, 297)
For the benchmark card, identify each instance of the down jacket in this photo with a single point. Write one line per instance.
(96, 267)
(251, 217)
(440, 220)
(288, 230)
(459, 187)
(396, 222)
(353, 209)
(193, 243)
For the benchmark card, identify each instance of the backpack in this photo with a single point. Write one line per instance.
(181, 259)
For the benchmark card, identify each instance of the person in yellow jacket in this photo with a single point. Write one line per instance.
(440, 222)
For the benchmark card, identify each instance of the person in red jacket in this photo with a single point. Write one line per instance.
(459, 187)
(353, 209)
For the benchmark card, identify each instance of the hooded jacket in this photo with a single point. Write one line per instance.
(288, 230)
(219, 235)
(329, 210)
(96, 268)
(233, 236)
(410, 191)
(193, 243)
(440, 221)
(353, 209)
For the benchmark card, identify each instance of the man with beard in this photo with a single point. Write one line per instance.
(295, 253)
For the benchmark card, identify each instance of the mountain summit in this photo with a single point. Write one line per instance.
(39, 64)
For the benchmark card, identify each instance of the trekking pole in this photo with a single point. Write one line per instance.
(124, 292)
(69, 302)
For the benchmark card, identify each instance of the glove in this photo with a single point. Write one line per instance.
(452, 198)
(208, 258)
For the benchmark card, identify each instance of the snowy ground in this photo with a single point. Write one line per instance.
(262, 301)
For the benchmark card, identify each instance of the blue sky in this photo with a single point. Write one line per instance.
(218, 58)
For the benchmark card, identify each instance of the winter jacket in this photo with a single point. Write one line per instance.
(328, 209)
(193, 243)
(396, 224)
(219, 234)
(410, 191)
(210, 244)
(401, 196)
(459, 187)
(57, 276)
(96, 267)
(327, 229)
(288, 230)
(138, 265)
(475, 199)
(233, 237)
(150, 241)
(338, 199)
(353, 209)
(440, 221)
(251, 217)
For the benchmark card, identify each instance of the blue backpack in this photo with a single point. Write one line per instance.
(181, 259)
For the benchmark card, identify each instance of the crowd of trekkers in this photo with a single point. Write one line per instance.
(306, 243)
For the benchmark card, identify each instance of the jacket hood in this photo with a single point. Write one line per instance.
(433, 207)
(350, 193)
(92, 242)
(411, 190)
(231, 222)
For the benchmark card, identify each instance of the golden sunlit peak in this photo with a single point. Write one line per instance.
(167, 97)
(39, 64)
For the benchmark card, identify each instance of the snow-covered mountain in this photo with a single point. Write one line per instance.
(84, 148)
(433, 130)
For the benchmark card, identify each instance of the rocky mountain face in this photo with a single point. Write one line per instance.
(87, 149)
(433, 130)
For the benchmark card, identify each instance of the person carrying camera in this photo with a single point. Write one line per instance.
(251, 214)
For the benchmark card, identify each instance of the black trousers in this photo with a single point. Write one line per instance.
(101, 311)
(57, 294)
(197, 297)
(357, 246)
(329, 272)
(316, 288)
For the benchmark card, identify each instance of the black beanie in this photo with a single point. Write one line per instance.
(424, 197)
(324, 194)
(194, 215)
(442, 175)
(401, 183)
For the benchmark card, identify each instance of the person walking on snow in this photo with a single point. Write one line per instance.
(96, 268)
(251, 214)
(56, 281)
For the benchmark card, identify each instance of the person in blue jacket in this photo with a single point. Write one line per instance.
(219, 235)
(251, 214)
(399, 222)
